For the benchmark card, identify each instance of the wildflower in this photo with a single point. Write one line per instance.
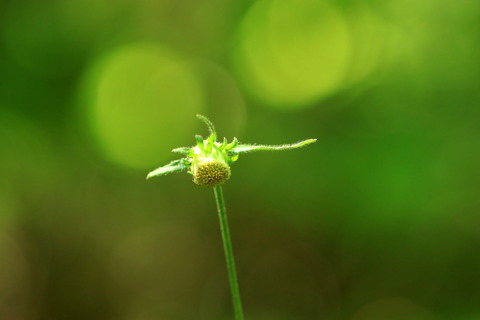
(209, 161)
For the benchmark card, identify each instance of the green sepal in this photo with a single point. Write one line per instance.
(224, 144)
(211, 127)
(244, 148)
(182, 150)
(232, 158)
(174, 166)
(232, 145)
(200, 142)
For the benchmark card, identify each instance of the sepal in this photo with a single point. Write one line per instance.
(174, 166)
(182, 150)
(211, 128)
(200, 141)
(232, 145)
(245, 148)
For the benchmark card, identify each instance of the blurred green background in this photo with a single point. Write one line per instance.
(377, 220)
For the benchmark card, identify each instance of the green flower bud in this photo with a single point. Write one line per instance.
(208, 161)
(210, 172)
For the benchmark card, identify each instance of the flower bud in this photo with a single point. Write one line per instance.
(210, 172)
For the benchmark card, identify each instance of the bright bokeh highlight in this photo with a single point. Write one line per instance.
(292, 52)
(142, 100)
(370, 35)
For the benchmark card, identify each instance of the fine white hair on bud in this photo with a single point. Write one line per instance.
(211, 172)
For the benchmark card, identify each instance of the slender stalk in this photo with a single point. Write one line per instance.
(227, 245)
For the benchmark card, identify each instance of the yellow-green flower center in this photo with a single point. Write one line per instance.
(210, 172)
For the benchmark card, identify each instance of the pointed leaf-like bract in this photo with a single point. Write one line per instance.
(174, 166)
(244, 148)
(211, 127)
(224, 143)
(232, 144)
(182, 150)
(200, 141)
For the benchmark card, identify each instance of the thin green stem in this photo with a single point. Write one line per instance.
(227, 245)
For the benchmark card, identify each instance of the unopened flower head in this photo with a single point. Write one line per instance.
(209, 161)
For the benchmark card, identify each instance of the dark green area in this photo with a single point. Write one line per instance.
(378, 220)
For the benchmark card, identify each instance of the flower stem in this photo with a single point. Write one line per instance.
(227, 245)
